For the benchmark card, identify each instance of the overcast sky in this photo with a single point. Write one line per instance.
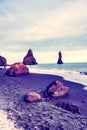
(45, 26)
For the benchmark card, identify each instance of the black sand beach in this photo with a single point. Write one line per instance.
(43, 115)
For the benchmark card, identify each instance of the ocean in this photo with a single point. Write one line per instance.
(69, 71)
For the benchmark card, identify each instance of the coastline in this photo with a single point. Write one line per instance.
(12, 90)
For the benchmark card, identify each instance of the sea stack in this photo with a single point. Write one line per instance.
(59, 58)
(3, 61)
(29, 58)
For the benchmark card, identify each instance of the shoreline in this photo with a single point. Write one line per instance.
(38, 82)
(12, 90)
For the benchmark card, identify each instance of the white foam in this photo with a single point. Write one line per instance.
(74, 76)
(6, 124)
(70, 75)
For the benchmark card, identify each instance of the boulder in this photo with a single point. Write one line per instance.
(33, 97)
(59, 58)
(70, 107)
(3, 61)
(84, 73)
(56, 89)
(29, 59)
(17, 69)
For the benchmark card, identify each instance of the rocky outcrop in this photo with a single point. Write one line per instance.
(3, 61)
(29, 59)
(33, 97)
(70, 107)
(59, 58)
(56, 90)
(17, 69)
(83, 73)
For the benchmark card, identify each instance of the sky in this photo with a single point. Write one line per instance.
(46, 27)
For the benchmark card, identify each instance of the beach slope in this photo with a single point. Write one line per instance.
(44, 115)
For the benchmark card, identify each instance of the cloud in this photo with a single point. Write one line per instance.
(75, 55)
(45, 26)
(68, 21)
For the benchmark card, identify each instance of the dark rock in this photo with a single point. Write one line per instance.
(84, 73)
(56, 89)
(70, 107)
(3, 61)
(59, 58)
(17, 69)
(29, 59)
(33, 97)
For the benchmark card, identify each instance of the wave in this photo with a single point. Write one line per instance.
(70, 75)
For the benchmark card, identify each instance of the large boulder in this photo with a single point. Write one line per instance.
(3, 61)
(68, 106)
(59, 58)
(29, 59)
(56, 89)
(17, 69)
(33, 97)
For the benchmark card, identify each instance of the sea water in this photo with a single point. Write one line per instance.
(69, 71)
